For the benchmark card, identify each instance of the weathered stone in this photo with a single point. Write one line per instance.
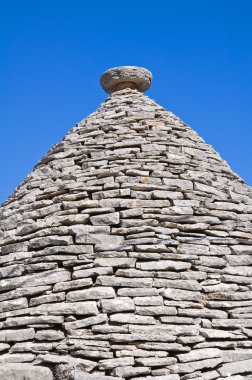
(51, 335)
(86, 322)
(156, 310)
(125, 282)
(94, 293)
(24, 371)
(115, 262)
(197, 365)
(80, 375)
(19, 303)
(73, 284)
(47, 299)
(132, 318)
(155, 362)
(79, 308)
(23, 321)
(17, 335)
(36, 279)
(163, 265)
(129, 371)
(242, 366)
(183, 295)
(117, 362)
(12, 271)
(194, 355)
(87, 365)
(149, 301)
(117, 305)
(126, 252)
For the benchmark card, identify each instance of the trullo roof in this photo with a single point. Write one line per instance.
(126, 253)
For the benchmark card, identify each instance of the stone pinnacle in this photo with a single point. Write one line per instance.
(119, 78)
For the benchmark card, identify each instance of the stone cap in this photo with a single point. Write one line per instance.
(119, 78)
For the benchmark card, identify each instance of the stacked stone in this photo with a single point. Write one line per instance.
(127, 254)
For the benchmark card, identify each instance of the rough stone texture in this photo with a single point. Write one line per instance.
(123, 77)
(126, 254)
(24, 372)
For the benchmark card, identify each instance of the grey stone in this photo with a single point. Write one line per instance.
(115, 262)
(242, 366)
(122, 77)
(86, 322)
(200, 354)
(129, 371)
(155, 362)
(78, 308)
(49, 335)
(118, 304)
(105, 219)
(125, 282)
(94, 293)
(132, 318)
(19, 335)
(163, 265)
(183, 295)
(117, 362)
(36, 279)
(23, 321)
(197, 365)
(23, 371)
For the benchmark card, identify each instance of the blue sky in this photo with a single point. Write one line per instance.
(52, 53)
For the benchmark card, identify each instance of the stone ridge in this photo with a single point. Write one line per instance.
(127, 254)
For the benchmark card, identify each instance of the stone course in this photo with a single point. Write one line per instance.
(126, 254)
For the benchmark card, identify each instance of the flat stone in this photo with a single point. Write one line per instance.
(242, 366)
(124, 282)
(73, 284)
(156, 310)
(80, 375)
(129, 371)
(155, 362)
(90, 321)
(12, 271)
(24, 372)
(24, 320)
(124, 262)
(45, 241)
(95, 293)
(114, 363)
(149, 301)
(36, 279)
(183, 295)
(163, 265)
(49, 335)
(79, 308)
(17, 335)
(47, 299)
(197, 365)
(125, 318)
(105, 219)
(118, 304)
(19, 303)
(207, 353)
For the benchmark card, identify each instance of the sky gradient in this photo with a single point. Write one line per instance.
(52, 54)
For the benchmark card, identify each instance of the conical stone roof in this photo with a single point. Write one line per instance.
(127, 252)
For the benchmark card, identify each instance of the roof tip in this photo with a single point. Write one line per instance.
(119, 78)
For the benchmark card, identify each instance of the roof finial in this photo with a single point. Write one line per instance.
(119, 78)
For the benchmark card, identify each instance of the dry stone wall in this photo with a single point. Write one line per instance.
(127, 254)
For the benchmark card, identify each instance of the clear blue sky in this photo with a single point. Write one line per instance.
(52, 53)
